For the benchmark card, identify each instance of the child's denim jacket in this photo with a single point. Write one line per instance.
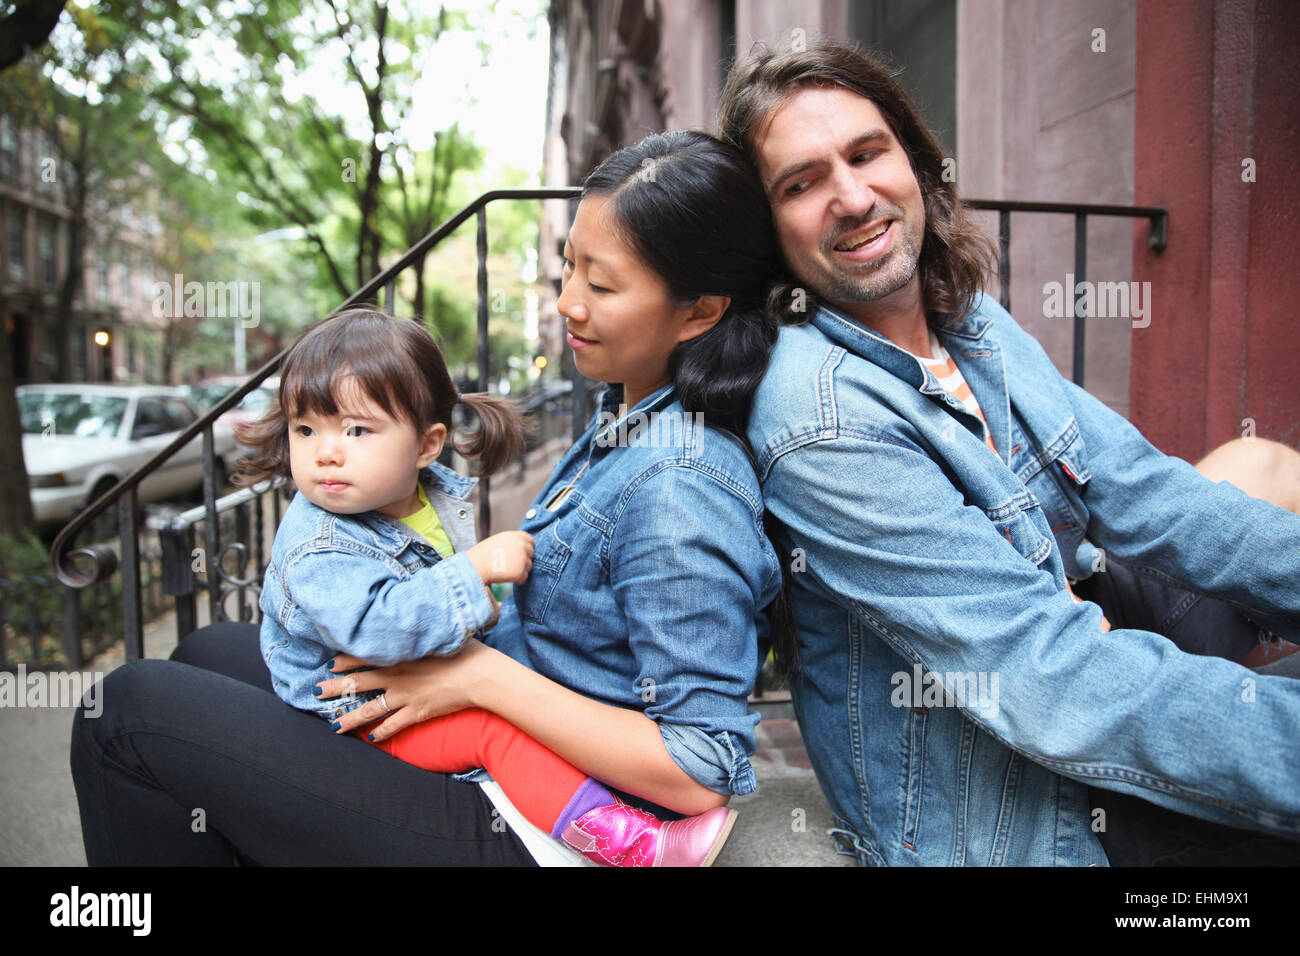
(367, 585)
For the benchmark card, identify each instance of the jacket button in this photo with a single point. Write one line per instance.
(530, 513)
(462, 513)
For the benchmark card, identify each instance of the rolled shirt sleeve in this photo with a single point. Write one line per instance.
(692, 570)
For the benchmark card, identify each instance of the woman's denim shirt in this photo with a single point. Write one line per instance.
(649, 582)
(367, 585)
(919, 556)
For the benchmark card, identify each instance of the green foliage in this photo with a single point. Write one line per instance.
(29, 595)
(279, 130)
(292, 120)
(32, 604)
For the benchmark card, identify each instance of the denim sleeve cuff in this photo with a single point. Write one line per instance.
(470, 605)
(712, 760)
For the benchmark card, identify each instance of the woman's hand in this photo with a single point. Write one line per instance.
(621, 747)
(414, 691)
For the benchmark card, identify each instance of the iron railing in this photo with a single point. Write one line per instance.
(83, 567)
(248, 507)
(1158, 218)
(48, 627)
(183, 561)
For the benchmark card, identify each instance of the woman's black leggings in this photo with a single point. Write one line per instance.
(195, 761)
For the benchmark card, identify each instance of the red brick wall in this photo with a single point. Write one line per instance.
(1218, 84)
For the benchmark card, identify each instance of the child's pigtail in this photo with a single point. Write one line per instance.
(499, 436)
(267, 439)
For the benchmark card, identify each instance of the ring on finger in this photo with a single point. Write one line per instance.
(383, 703)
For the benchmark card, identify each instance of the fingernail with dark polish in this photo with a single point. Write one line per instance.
(334, 725)
(316, 691)
(370, 737)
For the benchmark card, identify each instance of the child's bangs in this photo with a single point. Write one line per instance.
(331, 369)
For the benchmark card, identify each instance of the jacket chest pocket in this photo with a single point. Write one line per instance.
(550, 556)
(1057, 477)
(1020, 521)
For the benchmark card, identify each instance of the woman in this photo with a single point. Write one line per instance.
(629, 651)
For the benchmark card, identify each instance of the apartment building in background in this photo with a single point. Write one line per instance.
(1187, 106)
(111, 334)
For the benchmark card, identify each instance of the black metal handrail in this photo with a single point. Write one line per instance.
(1158, 218)
(103, 561)
(176, 537)
(124, 494)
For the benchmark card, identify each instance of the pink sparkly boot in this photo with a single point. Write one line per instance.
(620, 835)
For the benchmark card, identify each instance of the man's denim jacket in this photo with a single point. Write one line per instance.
(918, 552)
(649, 582)
(367, 585)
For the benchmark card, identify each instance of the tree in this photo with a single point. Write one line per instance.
(16, 518)
(100, 145)
(88, 95)
(24, 26)
(292, 152)
(422, 202)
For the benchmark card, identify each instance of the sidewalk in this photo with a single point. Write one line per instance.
(783, 824)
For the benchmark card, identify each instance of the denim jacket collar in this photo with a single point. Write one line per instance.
(447, 492)
(871, 345)
(608, 421)
(978, 355)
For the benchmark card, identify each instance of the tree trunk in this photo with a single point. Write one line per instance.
(27, 27)
(76, 165)
(16, 515)
(369, 241)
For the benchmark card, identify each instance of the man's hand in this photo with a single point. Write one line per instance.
(502, 558)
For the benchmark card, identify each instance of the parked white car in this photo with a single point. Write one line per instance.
(80, 440)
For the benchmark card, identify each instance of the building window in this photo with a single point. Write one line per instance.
(101, 273)
(138, 287)
(15, 234)
(44, 161)
(921, 37)
(148, 276)
(124, 281)
(8, 148)
(46, 252)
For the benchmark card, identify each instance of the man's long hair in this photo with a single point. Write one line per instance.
(956, 255)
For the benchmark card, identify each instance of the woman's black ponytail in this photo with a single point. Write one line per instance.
(694, 211)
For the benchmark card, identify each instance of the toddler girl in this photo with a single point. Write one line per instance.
(376, 557)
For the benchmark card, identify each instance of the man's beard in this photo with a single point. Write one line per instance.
(878, 279)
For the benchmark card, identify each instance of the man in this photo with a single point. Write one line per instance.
(936, 486)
